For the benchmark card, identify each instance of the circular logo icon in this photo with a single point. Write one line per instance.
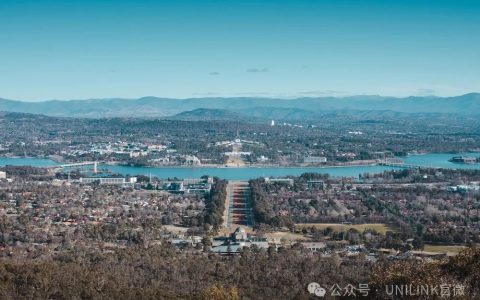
(320, 292)
(312, 286)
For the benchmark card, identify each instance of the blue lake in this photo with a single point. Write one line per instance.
(427, 160)
(246, 173)
(440, 160)
(33, 162)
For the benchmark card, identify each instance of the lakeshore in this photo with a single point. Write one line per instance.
(433, 160)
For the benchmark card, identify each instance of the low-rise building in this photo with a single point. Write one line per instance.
(464, 159)
(314, 246)
(315, 184)
(187, 186)
(192, 160)
(288, 181)
(314, 159)
(110, 181)
(238, 240)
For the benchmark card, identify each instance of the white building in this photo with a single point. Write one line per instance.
(110, 181)
(314, 246)
(238, 153)
(3, 175)
(192, 160)
(263, 159)
(240, 234)
(315, 159)
(288, 181)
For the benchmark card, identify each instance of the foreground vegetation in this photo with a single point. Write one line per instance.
(162, 273)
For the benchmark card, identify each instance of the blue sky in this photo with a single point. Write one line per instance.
(284, 48)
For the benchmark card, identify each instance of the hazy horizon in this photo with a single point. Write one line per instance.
(239, 96)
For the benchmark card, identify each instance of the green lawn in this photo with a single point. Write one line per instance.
(379, 227)
(453, 249)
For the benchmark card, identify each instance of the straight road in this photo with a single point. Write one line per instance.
(238, 210)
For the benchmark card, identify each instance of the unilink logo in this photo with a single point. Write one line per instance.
(316, 289)
(363, 290)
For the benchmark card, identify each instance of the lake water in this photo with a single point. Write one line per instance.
(427, 160)
(34, 162)
(440, 160)
(246, 173)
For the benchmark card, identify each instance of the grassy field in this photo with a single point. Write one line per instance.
(379, 227)
(176, 229)
(443, 248)
(287, 236)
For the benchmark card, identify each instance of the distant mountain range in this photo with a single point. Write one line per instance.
(209, 114)
(245, 108)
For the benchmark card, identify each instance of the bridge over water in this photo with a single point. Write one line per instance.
(79, 164)
(404, 166)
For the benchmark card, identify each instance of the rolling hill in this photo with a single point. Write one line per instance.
(265, 108)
